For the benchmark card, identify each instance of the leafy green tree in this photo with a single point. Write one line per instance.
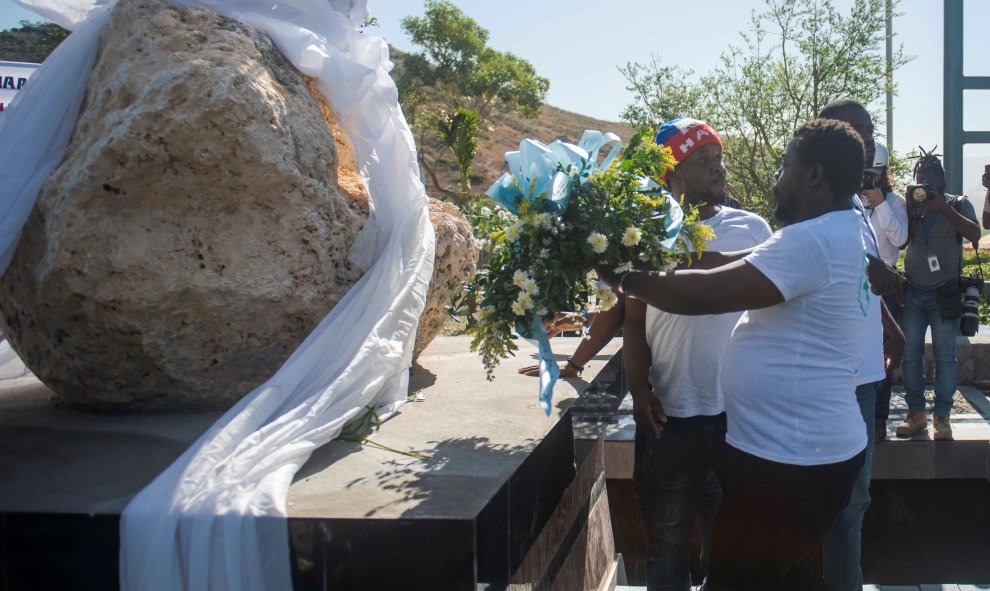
(31, 42)
(458, 132)
(456, 74)
(796, 57)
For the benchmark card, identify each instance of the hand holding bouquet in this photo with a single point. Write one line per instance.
(573, 213)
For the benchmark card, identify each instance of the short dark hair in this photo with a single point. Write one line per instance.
(832, 110)
(837, 148)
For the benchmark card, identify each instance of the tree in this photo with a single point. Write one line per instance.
(32, 42)
(458, 132)
(797, 56)
(454, 76)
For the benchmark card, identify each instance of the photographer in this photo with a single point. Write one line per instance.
(888, 214)
(932, 264)
(886, 208)
(986, 199)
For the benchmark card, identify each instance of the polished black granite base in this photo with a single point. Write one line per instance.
(359, 517)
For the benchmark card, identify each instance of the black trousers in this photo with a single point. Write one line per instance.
(772, 519)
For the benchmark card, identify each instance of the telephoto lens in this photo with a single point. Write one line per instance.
(971, 287)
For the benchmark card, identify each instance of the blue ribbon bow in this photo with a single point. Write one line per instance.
(538, 171)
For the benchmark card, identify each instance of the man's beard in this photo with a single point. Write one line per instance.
(783, 215)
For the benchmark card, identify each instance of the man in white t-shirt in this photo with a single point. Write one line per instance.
(841, 551)
(672, 366)
(795, 440)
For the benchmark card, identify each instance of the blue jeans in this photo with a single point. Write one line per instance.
(676, 488)
(920, 311)
(842, 549)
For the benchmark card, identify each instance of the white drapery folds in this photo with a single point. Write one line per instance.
(215, 518)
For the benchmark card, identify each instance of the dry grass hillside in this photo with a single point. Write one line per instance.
(504, 134)
(551, 124)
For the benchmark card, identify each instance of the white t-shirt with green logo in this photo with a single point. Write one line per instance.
(789, 373)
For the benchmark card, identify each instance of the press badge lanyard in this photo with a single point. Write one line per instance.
(866, 221)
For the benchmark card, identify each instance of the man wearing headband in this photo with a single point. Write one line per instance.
(672, 365)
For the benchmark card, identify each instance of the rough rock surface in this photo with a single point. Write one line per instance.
(455, 263)
(198, 227)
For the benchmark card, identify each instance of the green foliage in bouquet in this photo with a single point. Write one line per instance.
(617, 217)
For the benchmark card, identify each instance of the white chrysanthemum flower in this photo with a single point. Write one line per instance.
(486, 211)
(517, 309)
(541, 311)
(544, 253)
(598, 242)
(632, 236)
(513, 232)
(607, 300)
(519, 277)
(525, 301)
(529, 286)
(624, 268)
(484, 313)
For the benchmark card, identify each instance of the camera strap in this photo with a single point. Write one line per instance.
(928, 223)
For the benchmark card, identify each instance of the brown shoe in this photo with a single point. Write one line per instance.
(943, 429)
(914, 422)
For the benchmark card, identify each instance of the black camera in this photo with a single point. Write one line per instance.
(871, 180)
(971, 289)
(916, 196)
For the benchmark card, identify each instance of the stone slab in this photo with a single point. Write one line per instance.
(497, 472)
(58, 459)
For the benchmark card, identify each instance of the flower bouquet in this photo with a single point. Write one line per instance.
(572, 213)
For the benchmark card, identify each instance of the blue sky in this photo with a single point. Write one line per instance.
(578, 45)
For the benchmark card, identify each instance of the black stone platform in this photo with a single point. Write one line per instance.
(504, 501)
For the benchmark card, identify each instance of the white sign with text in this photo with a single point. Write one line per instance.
(13, 77)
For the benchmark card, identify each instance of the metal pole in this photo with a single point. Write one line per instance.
(952, 117)
(890, 76)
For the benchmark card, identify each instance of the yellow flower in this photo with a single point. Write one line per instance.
(632, 236)
(598, 242)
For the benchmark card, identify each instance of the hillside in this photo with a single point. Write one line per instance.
(508, 130)
(505, 133)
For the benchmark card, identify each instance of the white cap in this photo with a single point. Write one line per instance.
(880, 160)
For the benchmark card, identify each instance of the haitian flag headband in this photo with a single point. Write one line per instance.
(684, 135)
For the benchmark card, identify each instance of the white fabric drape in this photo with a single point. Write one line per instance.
(215, 518)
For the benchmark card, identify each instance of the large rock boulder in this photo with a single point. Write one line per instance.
(198, 227)
(455, 263)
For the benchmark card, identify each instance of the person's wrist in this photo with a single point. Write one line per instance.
(620, 286)
(573, 365)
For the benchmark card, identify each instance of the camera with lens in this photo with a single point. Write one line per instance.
(917, 195)
(971, 288)
(871, 180)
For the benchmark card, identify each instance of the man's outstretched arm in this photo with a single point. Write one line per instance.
(730, 288)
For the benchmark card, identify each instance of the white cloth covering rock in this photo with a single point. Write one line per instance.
(213, 519)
